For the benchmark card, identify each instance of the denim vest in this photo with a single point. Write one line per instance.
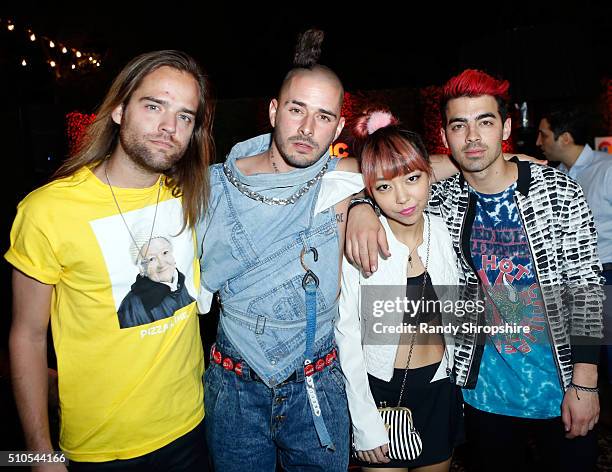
(251, 257)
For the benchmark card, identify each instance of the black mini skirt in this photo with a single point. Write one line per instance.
(437, 412)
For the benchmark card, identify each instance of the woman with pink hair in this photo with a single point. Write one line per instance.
(391, 353)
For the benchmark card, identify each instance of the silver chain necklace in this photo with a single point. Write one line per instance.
(110, 186)
(272, 200)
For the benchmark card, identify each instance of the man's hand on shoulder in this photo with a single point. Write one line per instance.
(365, 236)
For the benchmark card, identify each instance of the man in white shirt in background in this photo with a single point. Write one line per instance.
(562, 137)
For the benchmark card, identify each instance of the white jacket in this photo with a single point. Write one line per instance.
(378, 360)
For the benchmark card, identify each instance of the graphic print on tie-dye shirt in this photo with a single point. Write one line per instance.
(517, 374)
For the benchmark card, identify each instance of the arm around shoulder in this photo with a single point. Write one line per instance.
(365, 236)
(442, 166)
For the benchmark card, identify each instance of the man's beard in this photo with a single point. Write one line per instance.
(143, 156)
(291, 159)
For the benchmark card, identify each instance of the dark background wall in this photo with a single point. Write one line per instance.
(549, 51)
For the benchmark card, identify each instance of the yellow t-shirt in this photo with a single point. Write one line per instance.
(123, 318)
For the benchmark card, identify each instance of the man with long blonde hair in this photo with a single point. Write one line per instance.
(131, 397)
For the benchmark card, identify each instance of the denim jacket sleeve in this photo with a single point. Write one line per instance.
(368, 428)
(581, 272)
(202, 226)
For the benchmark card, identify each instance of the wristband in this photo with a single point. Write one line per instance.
(358, 200)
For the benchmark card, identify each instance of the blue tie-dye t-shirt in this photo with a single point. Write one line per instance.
(518, 376)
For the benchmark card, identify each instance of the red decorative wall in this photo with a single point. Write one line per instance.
(76, 124)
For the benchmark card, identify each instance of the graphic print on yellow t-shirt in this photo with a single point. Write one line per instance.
(129, 382)
(144, 263)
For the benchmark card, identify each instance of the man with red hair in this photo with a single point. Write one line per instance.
(526, 244)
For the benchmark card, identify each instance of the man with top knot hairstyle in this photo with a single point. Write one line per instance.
(272, 245)
(526, 244)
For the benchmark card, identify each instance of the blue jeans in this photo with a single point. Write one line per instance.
(250, 426)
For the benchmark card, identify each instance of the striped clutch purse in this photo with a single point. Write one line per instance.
(404, 440)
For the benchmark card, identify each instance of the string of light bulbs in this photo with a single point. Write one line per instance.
(57, 53)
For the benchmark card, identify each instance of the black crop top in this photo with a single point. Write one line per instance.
(414, 288)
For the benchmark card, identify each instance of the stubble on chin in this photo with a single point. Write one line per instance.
(472, 166)
(299, 163)
(295, 160)
(143, 156)
(478, 165)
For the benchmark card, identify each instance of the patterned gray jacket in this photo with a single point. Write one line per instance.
(561, 235)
